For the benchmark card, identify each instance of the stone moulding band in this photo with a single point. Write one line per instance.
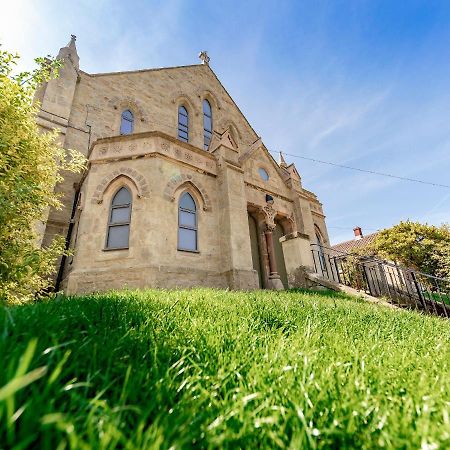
(182, 180)
(133, 175)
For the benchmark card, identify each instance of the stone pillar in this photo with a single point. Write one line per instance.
(56, 98)
(297, 258)
(274, 281)
(235, 235)
(270, 250)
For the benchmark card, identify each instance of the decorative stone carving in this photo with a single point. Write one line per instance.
(136, 178)
(270, 214)
(178, 181)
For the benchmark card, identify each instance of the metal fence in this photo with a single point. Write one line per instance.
(401, 286)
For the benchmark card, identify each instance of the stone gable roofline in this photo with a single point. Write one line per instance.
(190, 66)
(126, 72)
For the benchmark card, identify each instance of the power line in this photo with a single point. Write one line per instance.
(373, 172)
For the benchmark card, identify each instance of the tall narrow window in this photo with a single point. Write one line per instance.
(207, 124)
(119, 220)
(127, 122)
(187, 224)
(183, 124)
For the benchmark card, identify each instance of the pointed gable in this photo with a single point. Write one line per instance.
(294, 172)
(255, 161)
(225, 139)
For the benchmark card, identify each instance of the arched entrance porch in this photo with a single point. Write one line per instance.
(266, 227)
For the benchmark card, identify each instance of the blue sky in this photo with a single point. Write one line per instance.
(361, 83)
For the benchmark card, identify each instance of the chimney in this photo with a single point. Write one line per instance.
(358, 233)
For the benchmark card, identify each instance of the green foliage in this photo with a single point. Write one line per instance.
(420, 246)
(216, 369)
(30, 166)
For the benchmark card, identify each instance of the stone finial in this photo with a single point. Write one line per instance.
(204, 57)
(69, 52)
(281, 161)
(71, 44)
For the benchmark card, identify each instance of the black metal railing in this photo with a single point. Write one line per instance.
(401, 286)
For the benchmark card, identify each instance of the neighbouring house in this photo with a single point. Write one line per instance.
(358, 242)
(329, 262)
(179, 191)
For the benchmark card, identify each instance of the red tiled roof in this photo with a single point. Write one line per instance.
(348, 246)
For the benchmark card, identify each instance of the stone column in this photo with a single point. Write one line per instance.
(274, 281)
(271, 252)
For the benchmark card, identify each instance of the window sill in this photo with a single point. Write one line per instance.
(188, 251)
(115, 248)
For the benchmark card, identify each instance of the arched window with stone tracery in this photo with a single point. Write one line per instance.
(127, 122)
(207, 124)
(118, 235)
(183, 124)
(187, 223)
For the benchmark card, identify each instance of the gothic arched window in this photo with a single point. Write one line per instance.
(183, 124)
(321, 253)
(187, 223)
(207, 124)
(127, 122)
(119, 220)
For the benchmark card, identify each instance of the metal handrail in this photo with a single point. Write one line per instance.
(401, 285)
(383, 261)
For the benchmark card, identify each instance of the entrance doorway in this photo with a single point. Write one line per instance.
(256, 254)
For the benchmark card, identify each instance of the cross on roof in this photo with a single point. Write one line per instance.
(204, 57)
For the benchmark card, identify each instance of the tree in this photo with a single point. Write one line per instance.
(30, 166)
(420, 246)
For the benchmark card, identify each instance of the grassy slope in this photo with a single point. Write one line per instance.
(208, 368)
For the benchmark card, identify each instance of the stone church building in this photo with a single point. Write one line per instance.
(179, 191)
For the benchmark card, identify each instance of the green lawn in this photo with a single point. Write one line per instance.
(218, 369)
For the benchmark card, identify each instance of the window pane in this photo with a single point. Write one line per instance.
(207, 123)
(127, 115)
(263, 174)
(183, 120)
(187, 202)
(118, 236)
(126, 124)
(187, 219)
(120, 215)
(123, 197)
(206, 141)
(126, 127)
(183, 136)
(187, 239)
(206, 107)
